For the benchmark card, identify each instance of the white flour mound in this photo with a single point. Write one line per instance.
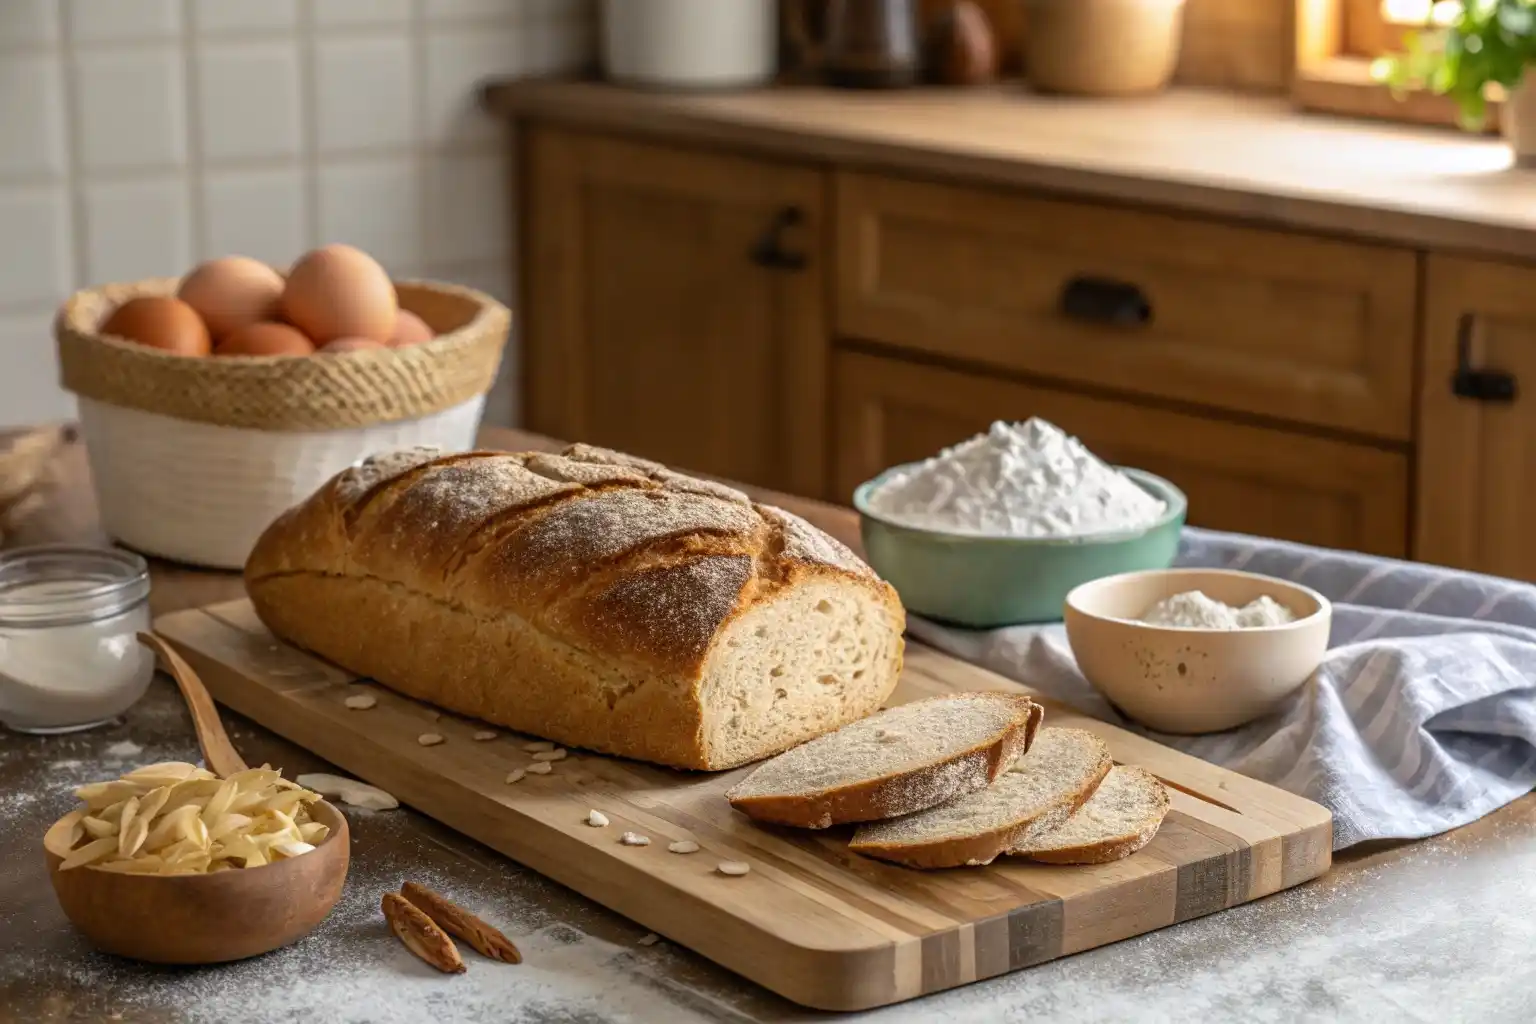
(1194, 610)
(1028, 479)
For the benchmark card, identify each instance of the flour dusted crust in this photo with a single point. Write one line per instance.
(590, 597)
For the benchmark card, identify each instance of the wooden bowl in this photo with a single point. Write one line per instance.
(1190, 681)
(208, 919)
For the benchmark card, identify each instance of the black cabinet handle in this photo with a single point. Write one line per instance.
(1102, 300)
(1476, 384)
(769, 252)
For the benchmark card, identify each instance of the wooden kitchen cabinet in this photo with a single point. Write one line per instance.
(673, 303)
(1477, 430)
(1237, 477)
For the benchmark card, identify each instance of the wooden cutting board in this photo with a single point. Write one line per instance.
(811, 921)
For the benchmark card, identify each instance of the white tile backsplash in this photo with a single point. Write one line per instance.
(26, 346)
(375, 206)
(117, 21)
(35, 250)
(365, 93)
(31, 116)
(214, 17)
(139, 136)
(131, 108)
(456, 61)
(329, 14)
(248, 101)
(27, 23)
(260, 214)
(137, 229)
(467, 208)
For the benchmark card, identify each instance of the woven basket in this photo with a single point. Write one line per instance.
(192, 458)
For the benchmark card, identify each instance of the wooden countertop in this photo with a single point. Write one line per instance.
(1393, 928)
(1205, 152)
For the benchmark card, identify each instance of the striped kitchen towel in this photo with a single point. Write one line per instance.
(1421, 718)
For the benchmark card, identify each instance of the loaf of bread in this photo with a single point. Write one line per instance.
(591, 598)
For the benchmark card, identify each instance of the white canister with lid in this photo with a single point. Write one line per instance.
(690, 44)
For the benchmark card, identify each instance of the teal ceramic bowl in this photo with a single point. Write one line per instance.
(985, 582)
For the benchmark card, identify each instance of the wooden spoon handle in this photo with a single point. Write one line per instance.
(218, 752)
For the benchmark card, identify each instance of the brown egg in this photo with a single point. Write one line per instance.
(160, 322)
(340, 292)
(410, 329)
(232, 293)
(331, 348)
(265, 340)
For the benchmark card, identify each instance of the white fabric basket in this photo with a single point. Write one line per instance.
(202, 494)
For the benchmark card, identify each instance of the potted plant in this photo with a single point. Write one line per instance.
(1468, 47)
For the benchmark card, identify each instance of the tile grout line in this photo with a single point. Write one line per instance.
(74, 145)
(197, 188)
(309, 123)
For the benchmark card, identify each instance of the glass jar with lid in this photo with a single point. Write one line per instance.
(70, 658)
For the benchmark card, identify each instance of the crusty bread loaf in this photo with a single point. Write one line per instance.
(1036, 794)
(897, 761)
(592, 598)
(1121, 817)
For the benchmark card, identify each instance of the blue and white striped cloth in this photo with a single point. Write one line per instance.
(1421, 718)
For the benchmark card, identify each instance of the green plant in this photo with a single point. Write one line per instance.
(1488, 42)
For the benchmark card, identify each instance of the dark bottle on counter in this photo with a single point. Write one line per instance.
(873, 44)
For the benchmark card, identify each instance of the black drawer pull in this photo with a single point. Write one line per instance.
(1100, 300)
(768, 251)
(1477, 384)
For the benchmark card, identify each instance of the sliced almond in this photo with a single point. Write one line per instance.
(634, 839)
(733, 867)
(361, 701)
(597, 819)
(515, 775)
(540, 768)
(558, 754)
(457, 921)
(484, 735)
(683, 846)
(420, 935)
(429, 739)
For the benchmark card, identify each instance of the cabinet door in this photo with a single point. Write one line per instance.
(672, 306)
(1243, 478)
(1477, 457)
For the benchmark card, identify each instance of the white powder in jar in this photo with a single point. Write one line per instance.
(1194, 610)
(1028, 479)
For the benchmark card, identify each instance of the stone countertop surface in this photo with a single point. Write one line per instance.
(1438, 930)
(1246, 157)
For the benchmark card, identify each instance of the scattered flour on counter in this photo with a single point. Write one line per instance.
(1028, 479)
(1194, 610)
(124, 749)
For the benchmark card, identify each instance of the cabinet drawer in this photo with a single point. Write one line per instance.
(1287, 326)
(1243, 478)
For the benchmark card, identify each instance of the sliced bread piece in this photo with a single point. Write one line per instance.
(1120, 818)
(1035, 795)
(897, 761)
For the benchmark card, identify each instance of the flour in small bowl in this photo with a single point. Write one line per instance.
(1028, 479)
(1194, 610)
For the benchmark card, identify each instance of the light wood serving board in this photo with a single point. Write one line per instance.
(811, 921)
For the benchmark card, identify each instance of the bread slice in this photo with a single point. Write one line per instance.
(1120, 818)
(1036, 795)
(897, 761)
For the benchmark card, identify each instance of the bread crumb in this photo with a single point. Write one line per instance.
(649, 939)
(597, 819)
(683, 846)
(484, 734)
(540, 768)
(558, 754)
(361, 701)
(515, 775)
(538, 745)
(634, 839)
(735, 868)
(429, 739)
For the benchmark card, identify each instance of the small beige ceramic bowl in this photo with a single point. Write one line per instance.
(1194, 680)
